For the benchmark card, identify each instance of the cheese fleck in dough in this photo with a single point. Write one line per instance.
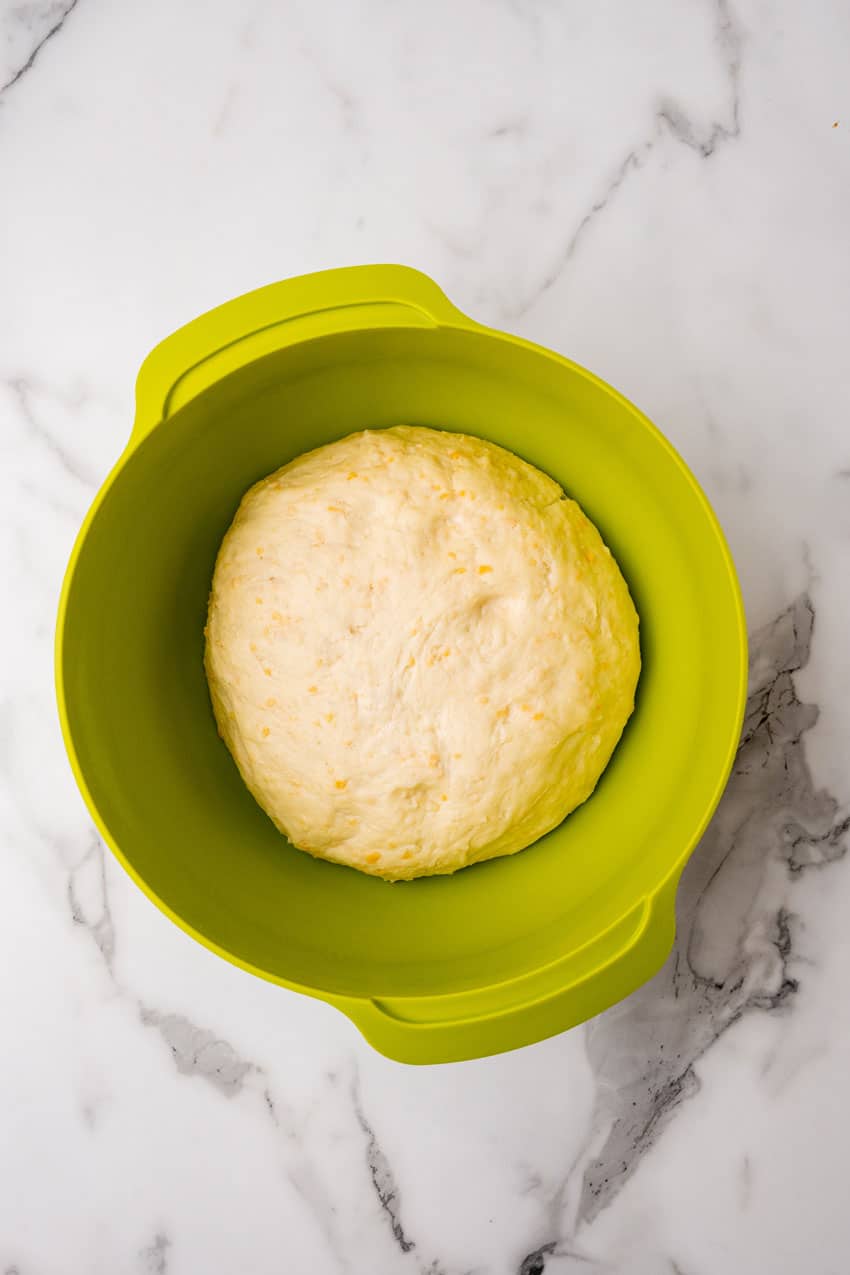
(420, 652)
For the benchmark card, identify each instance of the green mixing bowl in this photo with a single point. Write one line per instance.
(443, 968)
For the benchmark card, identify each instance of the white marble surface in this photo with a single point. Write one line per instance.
(660, 190)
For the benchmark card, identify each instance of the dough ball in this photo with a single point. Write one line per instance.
(419, 650)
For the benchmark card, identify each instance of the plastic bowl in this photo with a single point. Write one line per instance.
(443, 968)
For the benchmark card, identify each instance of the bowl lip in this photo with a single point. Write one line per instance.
(665, 886)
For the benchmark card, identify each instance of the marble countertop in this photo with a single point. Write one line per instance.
(660, 191)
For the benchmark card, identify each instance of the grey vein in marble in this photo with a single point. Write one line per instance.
(535, 1263)
(155, 1256)
(23, 391)
(201, 1053)
(735, 944)
(89, 901)
(672, 118)
(198, 1052)
(52, 13)
(634, 160)
(734, 947)
(746, 1180)
(729, 40)
(381, 1174)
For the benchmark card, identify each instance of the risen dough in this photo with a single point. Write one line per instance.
(420, 652)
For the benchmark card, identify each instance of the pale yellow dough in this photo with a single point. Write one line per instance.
(420, 652)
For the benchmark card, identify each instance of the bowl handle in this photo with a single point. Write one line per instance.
(258, 323)
(483, 1021)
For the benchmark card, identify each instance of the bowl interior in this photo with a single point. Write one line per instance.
(164, 786)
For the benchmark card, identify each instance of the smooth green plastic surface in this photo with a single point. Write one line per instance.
(444, 968)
